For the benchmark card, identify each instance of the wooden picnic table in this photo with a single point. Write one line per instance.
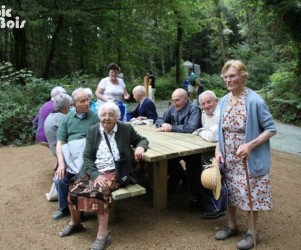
(164, 146)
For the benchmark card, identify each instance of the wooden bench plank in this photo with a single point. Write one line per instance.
(135, 190)
(128, 191)
(121, 193)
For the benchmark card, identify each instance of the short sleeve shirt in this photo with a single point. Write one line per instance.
(116, 91)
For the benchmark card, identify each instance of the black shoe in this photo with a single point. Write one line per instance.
(213, 214)
(196, 203)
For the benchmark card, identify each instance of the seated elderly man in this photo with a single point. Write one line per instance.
(106, 143)
(73, 128)
(182, 116)
(146, 109)
(211, 208)
(210, 116)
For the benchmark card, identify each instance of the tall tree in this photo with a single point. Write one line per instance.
(289, 12)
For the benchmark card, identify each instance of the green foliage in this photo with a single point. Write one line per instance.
(214, 83)
(15, 125)
(9, 76)
(19, 104)
(285, 97)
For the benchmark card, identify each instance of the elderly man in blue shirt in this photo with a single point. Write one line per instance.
(146, 109)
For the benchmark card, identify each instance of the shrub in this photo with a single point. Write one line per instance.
(214, 83)
(19, 104)
(285, 97)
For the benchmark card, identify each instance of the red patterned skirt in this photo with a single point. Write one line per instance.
(85, 196)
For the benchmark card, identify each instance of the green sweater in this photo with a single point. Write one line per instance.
(126, 137)
(73, 128)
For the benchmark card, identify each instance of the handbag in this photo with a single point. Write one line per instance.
(121, 167)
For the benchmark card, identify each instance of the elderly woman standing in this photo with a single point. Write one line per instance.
(111, 87)
(91, 193)
(245, 127)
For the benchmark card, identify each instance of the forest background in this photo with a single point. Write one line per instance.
(71, 42)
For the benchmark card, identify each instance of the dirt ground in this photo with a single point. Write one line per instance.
(26, 216)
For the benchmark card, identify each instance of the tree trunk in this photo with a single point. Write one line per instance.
(178, 51)
(20, 48)
(220, 28)
(162, 61)
(5, 45)
(52, 47)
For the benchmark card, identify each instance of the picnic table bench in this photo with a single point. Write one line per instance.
(128, 191)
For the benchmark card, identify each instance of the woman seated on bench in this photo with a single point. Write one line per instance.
(92, 192)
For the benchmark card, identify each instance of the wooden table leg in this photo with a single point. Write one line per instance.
(160, 184)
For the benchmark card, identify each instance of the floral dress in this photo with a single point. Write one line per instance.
(234, 124)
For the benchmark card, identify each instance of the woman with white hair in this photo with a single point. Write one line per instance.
(91, 193)
(44, 111)
(62, 103)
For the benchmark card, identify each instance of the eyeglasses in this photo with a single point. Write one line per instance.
(110, 115)
(230, 77)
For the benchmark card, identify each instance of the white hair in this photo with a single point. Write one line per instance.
(139, 90)
(110, 105)
(89, 91)
(61, 100)
(76, 92)
(57, 90)
(208, 92)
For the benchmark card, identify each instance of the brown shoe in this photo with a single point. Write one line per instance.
(226, 233)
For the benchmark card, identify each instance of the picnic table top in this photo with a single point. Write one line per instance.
(167, 145)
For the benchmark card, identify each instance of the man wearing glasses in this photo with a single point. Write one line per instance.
(182, 116)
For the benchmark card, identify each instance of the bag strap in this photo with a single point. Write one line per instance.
(108, 143)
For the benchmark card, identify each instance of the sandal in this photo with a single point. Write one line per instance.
(101, 244)
(71, 229)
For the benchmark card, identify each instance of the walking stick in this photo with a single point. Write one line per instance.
(250, 201)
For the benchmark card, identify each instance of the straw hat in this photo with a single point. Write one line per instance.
(211, 178)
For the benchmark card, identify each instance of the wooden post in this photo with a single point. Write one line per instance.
(160, 184)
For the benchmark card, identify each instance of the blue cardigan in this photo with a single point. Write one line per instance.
(259, 119)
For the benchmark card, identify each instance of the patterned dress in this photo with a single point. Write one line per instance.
(90, 197)
(234, 124)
